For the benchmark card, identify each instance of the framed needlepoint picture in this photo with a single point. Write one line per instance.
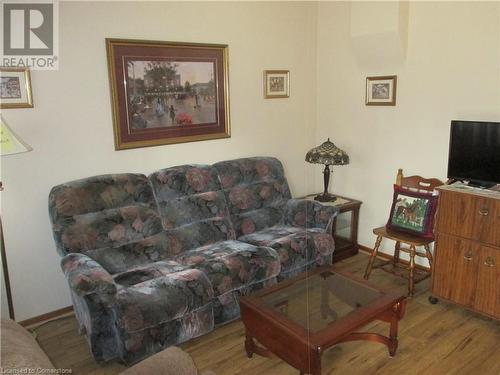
(381, 90)
(167, 92)
(276, 84)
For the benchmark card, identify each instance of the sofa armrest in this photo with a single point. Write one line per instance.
(85, 276)
(310, 214)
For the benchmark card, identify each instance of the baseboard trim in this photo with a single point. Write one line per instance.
(47, 316)
(381, 255)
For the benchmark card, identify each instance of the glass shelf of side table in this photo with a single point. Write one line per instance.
(345, 227)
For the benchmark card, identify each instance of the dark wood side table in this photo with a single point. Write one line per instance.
(345, 227)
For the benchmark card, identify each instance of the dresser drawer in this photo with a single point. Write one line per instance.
(469, 216)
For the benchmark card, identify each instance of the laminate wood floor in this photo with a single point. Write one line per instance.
(433, 339)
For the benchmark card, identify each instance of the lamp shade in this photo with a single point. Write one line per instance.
(10, 143)
(328, 154)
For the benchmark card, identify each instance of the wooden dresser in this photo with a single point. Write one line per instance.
(467, 257)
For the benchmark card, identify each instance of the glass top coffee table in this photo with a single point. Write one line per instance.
(300, 318)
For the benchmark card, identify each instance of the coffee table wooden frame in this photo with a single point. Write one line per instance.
(302, 349)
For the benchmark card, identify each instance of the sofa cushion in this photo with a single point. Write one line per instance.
(196, 207)
(269, 235)
(192, 206)
(129, 256)
(162, 246)
(256, 191)
(148, 272)
(297, 247)
(198, 234)
(107, 228)
(99, 193)
(184, 180)
(161, 298)
(232, 265)
(256, 220)
(102, 211)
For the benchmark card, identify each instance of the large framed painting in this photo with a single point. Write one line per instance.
(167, 92)
(15, 88)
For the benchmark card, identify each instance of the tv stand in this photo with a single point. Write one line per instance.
(466, 268)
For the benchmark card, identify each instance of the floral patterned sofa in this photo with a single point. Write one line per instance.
(153, 262)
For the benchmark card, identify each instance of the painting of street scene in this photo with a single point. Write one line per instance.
(409, 213)
(166, 93)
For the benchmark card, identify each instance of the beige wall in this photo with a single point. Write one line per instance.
(452, 71)
(70, 127)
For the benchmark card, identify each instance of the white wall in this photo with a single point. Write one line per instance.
(70, 127)
(452, 71)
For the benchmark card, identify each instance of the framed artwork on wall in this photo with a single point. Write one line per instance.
(276, 84)
(381, 90)
(15, 88)
(167, 92)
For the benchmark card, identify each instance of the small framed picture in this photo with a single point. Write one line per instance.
(381, 90)
(15, 88)
(276, 84)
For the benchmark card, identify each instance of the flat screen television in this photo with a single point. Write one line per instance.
(474, 153)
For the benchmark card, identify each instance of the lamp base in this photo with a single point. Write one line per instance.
(325, 197)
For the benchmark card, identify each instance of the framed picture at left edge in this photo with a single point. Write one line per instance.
(15, 88)
(167, 92)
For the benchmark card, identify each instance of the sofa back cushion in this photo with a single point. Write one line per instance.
(256, 190)
(192, 206)
(103, 212)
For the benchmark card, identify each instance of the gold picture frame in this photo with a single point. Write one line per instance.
(15, 88)
(381, 90)
(158, 97)
(276, 84)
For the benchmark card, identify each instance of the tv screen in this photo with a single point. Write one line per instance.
(475, 152)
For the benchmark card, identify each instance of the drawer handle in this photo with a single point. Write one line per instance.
(489, 262)
(483, 212)
(468, 256)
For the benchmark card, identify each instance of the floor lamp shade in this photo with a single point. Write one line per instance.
(10, 143)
